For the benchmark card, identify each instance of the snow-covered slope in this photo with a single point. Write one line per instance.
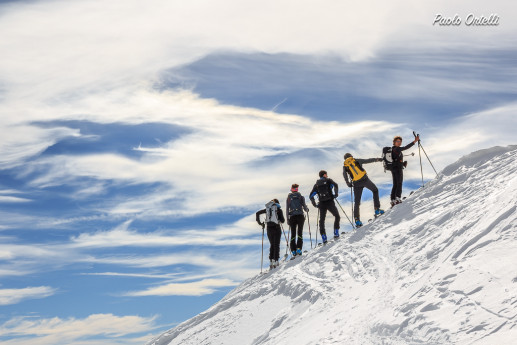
(439, 269)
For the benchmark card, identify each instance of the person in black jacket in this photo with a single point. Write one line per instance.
(274, 216)
(398, 165)
(295, 205)
(326, 190)
(353, 167)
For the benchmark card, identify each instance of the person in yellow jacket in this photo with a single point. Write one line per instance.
(353, 169)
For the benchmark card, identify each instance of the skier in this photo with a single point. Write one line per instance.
(398, 165)
(326, 190)
(295, 205)
(274, 216)
(353, 167)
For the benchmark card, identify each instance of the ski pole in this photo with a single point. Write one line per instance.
(317, 226)
(353, 227)
(420, 156)
(420, 146)
(428, 159)
(289, 237)
(262, 257)
(309, 222)
(352, 199)
(286, 242)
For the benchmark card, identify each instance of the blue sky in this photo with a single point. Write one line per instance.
(136, 151)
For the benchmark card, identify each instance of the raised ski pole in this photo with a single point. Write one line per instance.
(428, 159)
(262, 257)
(353, 227)
(420, 156)
(420, 145)
(309, 222)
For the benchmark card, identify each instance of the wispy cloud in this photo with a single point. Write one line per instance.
(13, 296)
(113, 329)
(199, 288)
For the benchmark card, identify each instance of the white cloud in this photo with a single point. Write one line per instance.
(14, 296)
(10, 199)
(199, 288)
(105, 329)
(229, 142)
(130, 38)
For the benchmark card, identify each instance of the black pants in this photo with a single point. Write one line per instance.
(274, 234)
(398, 178)
(331, 207)
(358, 191)
(296, 223)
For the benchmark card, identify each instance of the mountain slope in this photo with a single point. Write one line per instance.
(438, 269)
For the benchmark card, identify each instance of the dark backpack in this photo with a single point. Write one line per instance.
(387, 159)
(323, 187)
(295, 205)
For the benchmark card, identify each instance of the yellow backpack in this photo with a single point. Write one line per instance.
(356, 171)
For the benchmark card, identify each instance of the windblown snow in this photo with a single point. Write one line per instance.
(441, 268)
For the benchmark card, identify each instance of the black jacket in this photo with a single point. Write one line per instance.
(397, 156)
(334, 189)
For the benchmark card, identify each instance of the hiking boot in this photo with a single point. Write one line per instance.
(336, 233)
(271, 264)
(378, 212)
(324, 238)
(393, 202)
(298, 251)
(398, 201)
(276, 264)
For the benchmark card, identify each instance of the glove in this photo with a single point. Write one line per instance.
(287, 221)
(349, 185)
(335, 196)
(405, 164)
(314, 203)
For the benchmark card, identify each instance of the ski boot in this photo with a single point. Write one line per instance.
(298, 251)
(271, 264)
(336, 233)
(398, 201)
(358, 223)
(276, 264)
(378, 212)
(324, 239)
(293, 253)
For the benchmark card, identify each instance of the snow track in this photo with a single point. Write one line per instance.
(438, 269)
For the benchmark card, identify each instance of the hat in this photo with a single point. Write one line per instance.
(348, 155)
(322, 172)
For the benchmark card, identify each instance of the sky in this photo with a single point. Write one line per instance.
(139, 139)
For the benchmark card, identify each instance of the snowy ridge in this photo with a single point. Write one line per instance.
(438, 269)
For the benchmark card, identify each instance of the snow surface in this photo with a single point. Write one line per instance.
(441, 268)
